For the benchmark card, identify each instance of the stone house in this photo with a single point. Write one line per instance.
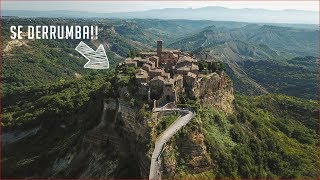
(168, 57)
(146, 67)
(147, 54)
(147, 61)
(169, 94)
(178, 82)
(130, 62)
(189, 83)
(185, 65)
(184, 70)
(190, 79)
(185, 61)
(155, 60)
(156, 87)
(156, 72)
(142, 76)
(165, 74)
(142, 62)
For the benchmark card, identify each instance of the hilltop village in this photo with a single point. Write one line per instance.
(162, 76)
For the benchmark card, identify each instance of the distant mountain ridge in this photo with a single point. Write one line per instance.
(206, 13)
(245, 48)
(298, 42)
(249, 49)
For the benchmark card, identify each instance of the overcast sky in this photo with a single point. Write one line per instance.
(129, 6)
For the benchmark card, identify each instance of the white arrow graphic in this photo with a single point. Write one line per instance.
(97, 59)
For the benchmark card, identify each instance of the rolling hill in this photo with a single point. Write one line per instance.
(256, 44)
(51, 105)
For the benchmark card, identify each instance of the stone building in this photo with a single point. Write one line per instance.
(130, 62)
(155, 60)
(186, 64)
(190, 83)
(146, 67)
(156, 72)
(142, 76)
(178, 82)
(156, 87)
(163, 75)
(147, 54)
(169, 93)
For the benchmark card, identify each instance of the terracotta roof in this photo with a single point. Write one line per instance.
(186, 58)
(158, 78)
(144, 60)
(177, 77)
(148, 53)
(164, 74)
(194, 67)
(138, 76)
(171, 50)
(190, 74)
(128, 60)
(157, 70)
(137, 58)
(141, 71)
(153, 57)
(146, 65)
(184, 68)
(169, 81)
(141, 74)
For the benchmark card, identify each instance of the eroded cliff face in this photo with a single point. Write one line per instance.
(120, 145)
(195, 152)
(188, 154)
(216, 90)
(192, 149)
(114, 148)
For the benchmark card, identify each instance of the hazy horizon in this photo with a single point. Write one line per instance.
(296, 12)
(125, 6)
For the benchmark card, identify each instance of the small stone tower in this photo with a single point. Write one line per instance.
(159, 47)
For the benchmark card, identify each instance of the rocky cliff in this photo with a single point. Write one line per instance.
(187, 154)
(216, 90)
(115, 139)
(115, 148)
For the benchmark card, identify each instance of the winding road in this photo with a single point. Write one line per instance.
(165, 136)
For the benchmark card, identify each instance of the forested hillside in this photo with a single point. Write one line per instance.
(51, 104)
(239, 45)
(258, 57)
(269, 136)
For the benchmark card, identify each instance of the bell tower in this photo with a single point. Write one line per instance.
(159, 47)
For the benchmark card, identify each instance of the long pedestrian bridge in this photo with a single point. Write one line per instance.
(186, 116)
